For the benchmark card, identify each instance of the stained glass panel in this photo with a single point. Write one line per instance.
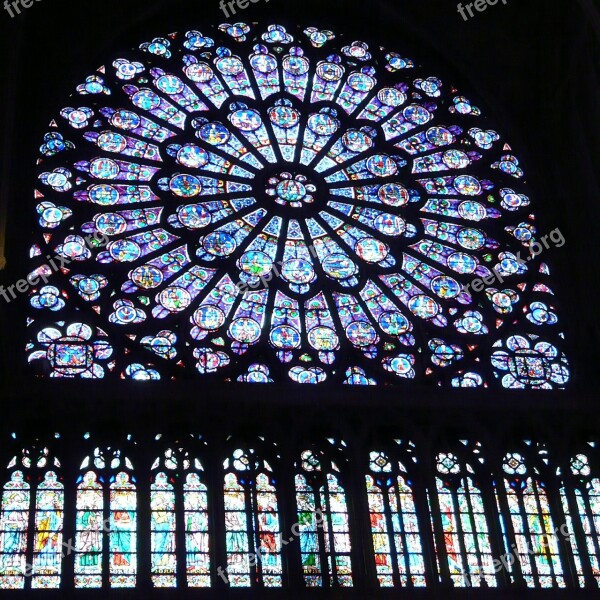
(394, 525)
(14, 525)
(123, 531)
(48, 547)
(587, 501)
(163, 530)
(272, 205)
(252, 526)
(465, 526)
(195, 500)
(89, 538)
(323, 525)
(533, 525)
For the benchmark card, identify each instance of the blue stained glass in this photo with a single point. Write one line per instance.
(14, 525)
(311, 176)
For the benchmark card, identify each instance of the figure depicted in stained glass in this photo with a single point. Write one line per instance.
(49, 519)
(162, 526)
(123, 523)
(394, 526)
(533, 523)
(14, 524)
(90, 539)
(252, 528)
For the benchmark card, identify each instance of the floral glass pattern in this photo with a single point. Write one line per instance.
(321, 203)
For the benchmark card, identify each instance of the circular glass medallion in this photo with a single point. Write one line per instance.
(389, 224)
(244, 330)
(323, 338)
(104, 168)
(219, 243)
(175, 298)
(209, 317)
(111, 141)
(111, 224)
(246, 120)
(125, 250)
(394, 323)
(147, 276)
(185, 186)
(462, 263)
(381, 165)
(214, 134)
(371, 250)
(255, 263)
(445, 287)
(393, 194)
(423, 306)
(103, 194)
(194, 216)
(285, 337)
(361, 333)
(192, 157)
(339, 266)
(298, 271)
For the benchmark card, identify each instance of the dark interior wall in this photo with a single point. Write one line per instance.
(532, 65)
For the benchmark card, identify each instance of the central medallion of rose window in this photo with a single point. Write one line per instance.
(291, 190)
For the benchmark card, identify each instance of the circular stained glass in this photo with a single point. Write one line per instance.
(323, 338)
(209, 317)
(361, 333)
(286, 337)
(147, 276)
(174, 299)
(394, 323)
(339, 266)
(111, 224)
(318, 202)
(298, 270)
(255, 263)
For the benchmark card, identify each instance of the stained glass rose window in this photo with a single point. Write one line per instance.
(286, 206)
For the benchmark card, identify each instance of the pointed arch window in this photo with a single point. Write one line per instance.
(252, 524)
(323, 522)
(535, 543)
(31, 522)
(395, 528)
(586, 489)
(467, 543)
(163, 531)
(106, 522)
(179, 511)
